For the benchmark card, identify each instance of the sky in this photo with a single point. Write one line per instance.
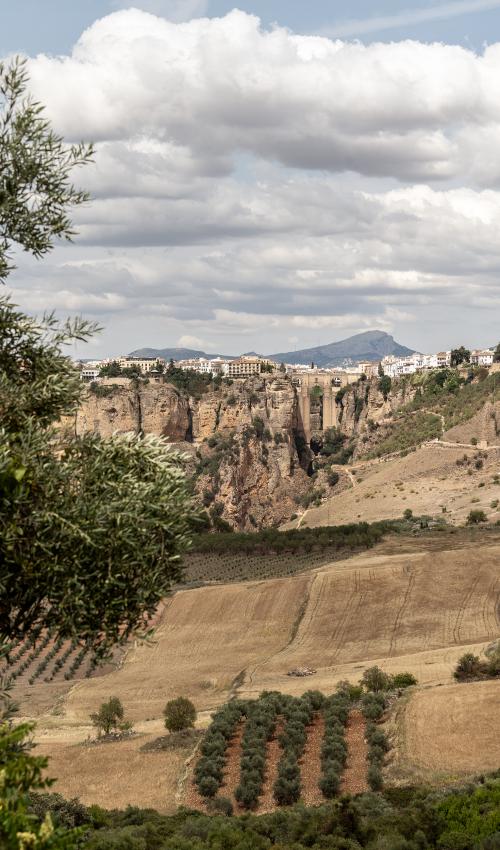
(273, 176)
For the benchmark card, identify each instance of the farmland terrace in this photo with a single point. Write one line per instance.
(409, 604)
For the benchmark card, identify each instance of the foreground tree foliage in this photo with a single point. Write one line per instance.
(466, 818)
(36, 193)
(91, 530)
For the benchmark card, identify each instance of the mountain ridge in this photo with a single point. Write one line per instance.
(369, 345)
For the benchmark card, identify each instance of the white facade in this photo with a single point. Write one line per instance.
(482, 357)
(216, 366)
(89, 374)
(144, 364)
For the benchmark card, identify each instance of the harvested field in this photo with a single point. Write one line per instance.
(310, 764)
(453, 729)
(414, 612)
(207, 637)
(413, 604)
(116, 775)
(354, 776)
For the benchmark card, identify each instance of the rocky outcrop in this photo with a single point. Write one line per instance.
(121, 405)
(246, 463)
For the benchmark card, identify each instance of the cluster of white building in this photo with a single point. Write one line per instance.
(396, 367)
(240, 367)
(250, 364)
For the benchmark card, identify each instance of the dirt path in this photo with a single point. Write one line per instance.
(354, 776)
(310, 763)
(267, 802)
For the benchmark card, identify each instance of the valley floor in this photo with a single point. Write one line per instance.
(413, 604)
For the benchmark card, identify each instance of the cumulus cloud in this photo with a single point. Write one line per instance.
(211, 88)
(221, 209)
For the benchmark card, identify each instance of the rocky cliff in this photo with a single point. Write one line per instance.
(241, 436)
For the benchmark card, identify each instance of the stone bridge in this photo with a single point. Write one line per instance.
(316, 393)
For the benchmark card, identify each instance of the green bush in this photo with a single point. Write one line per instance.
(374, 777)
(179, 714)
(329, 783)
(476, 516)
(403, 680)
(374, 679)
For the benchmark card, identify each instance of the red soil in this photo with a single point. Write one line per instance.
(354, 776)
(310, 763)
(231, 776)
(267, 802)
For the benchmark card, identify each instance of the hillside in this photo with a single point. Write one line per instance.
(371, 345)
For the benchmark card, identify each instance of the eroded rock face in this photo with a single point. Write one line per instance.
(256, 482)
(149, 408)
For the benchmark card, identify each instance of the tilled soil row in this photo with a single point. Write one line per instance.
(354, 779)
(310, 763)
(231, 775)
(267, 802)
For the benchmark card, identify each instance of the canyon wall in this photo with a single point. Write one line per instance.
(242, 439)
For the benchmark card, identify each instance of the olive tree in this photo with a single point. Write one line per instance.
(179, 714)
(91, 530)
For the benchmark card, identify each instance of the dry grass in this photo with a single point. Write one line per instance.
(410, 604)
(454, 728)
(116, 775)
(426, 481)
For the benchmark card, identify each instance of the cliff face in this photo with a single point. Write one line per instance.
(363, 410)
(246, 467)
(120, 406)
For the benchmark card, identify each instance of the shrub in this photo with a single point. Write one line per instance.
(373, 706)
(109, 716)
(179, 714)
(333, 478)
(208, 786)
(468, 665)
(374, 679)
(476, 516)
(329, 784)
(221, 806)
(408, 513)
(374, 777)
(403, 680)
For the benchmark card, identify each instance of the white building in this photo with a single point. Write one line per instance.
(89, 373)
(482, 357)
(144, 364)
(216, 366)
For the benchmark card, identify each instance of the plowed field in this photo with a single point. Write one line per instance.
(409, 604)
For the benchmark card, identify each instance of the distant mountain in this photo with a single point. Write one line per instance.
(176, 353)
(371, 345)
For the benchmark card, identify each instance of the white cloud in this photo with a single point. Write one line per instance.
(200, 93)
(187, 341)
(219, 212)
